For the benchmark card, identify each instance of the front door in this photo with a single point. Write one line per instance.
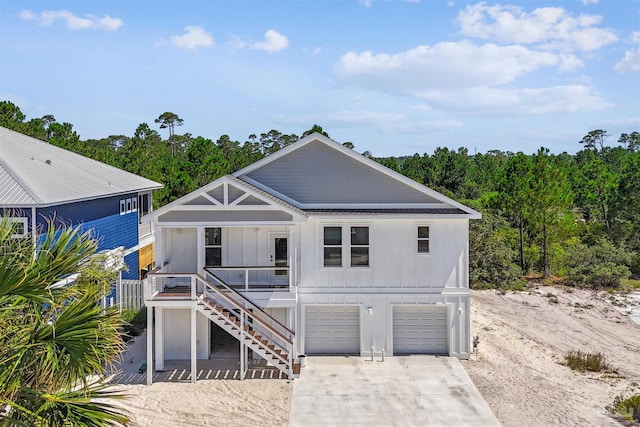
(279, 257)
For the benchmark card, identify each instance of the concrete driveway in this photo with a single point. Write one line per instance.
(401, 391)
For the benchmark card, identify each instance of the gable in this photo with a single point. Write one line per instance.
(319, 174)
(226, 200)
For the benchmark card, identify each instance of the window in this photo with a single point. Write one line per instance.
(123, 207)
(128, 205)
(18, 227)
(333, 246)
(144, 202)
(423, 239)
(213, 247)
(134, 204)
(359, 246)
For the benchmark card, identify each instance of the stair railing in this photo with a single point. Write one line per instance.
(280, 334)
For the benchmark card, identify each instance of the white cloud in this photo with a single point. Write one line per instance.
(520, 102)
(193, 38)
(635, 37)
(273, 42)
(549, 27)
(366, 3)
(237, 42)
(587, 2)
(450, 65)
(73, 22)
(630, 62)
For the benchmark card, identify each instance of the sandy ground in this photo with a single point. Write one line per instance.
(523, 338)
(217, 398)
(518, 368)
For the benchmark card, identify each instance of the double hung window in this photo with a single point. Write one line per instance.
(359, 246)
(332, 245)
(423, 239)
(213, 247)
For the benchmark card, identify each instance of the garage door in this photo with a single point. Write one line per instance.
(332, 330)
(420, 329)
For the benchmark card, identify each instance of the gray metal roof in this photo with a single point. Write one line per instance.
(267, 195)
(392, 211)
(35, 173)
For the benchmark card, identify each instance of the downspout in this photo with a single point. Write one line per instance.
(33, 223)
(33, 230)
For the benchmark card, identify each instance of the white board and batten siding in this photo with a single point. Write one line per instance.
(394, 261)
(420, 329)
(332, 329)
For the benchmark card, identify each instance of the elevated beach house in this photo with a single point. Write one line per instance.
(41, 182)
(312, 250)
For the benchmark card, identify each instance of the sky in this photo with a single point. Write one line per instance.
(394, 77)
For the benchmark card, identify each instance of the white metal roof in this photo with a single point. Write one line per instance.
(35, 173)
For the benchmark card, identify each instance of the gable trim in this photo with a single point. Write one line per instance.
(272, 203)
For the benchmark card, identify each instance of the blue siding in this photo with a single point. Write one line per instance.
(102, 216)
(131, 261)
(76, 213)
(114, 231)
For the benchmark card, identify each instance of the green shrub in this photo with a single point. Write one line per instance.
(491, 255)
(582, 361)
(627, 408)
(598, 266)
(135, 322)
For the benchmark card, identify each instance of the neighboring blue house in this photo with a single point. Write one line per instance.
(39, 182)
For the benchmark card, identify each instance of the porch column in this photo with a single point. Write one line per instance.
(293, 256)
(194, 354)
(242, 347)
(159, 246)
(159, 337)
(149, 345)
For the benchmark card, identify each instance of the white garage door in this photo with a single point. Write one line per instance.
(420, 329)
(332, 329)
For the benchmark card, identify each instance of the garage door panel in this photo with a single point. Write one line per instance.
(332, 330)
(420, 330)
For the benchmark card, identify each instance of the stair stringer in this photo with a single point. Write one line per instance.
(250, 333)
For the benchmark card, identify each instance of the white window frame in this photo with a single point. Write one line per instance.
(123, 207)
(423, 239)
(25, 227)
(341, 245)
(212, 246)
(368, 245)
(134, 204)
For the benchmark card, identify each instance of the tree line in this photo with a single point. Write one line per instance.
(572, 216)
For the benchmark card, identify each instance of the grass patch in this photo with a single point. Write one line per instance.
(630, 284)
(135, 322)
(627, 408)
(582, 361)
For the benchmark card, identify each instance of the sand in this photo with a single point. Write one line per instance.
(523, 338)
(518, 368)
(217, 398)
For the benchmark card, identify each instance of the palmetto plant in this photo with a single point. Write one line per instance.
(56, 343)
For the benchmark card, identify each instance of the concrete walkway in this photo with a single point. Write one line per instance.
(401, 391)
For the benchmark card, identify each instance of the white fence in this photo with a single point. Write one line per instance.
(130, 295)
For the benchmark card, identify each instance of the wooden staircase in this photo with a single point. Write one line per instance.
(249, 324)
